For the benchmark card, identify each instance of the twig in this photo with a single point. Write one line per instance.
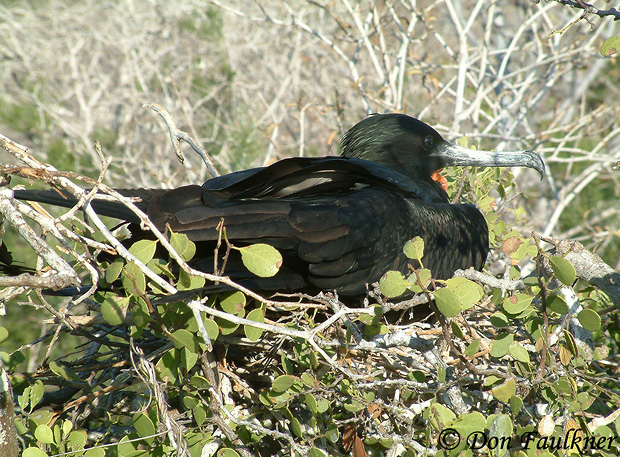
(176, 135)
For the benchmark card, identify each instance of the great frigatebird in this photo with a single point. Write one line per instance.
(339, 222)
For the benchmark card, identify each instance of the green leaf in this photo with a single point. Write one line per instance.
(501, 427)
(184, 339)
(500, 345)
(254, 333)
(505, 391)
(227, 452)
(425, 279)
(64, 371)
(458, 332)
(516, 303)
(516, 404)
(144, 427)
(114, 270)
(232, 302)
(610, 46)
(414, 249)
(557, 304)
(316, 452)
(499, 319)
(4, 334)
(472, 349)
(439, 416)
(44, 434)
(590, 320)
(42, 416)
(296, 427)
(114, 311)
(519, 352)
(332, 433)
(261, 259)
(144, 250)
(448, 303)
(35, 393)
(282, 383)
(311, 403)
(34, 452)
(213, 330)
(468, 291)
(563, 269)
(133, 278)
(470, 422)
(392, 284)
(179, 242)
(96, 452)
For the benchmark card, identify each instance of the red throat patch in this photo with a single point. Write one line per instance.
(438, 177)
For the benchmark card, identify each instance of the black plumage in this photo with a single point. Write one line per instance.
(339, 222)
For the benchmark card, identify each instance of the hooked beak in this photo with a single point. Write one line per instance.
(453, 154)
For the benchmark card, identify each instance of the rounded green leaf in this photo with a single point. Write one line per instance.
(557, 304)
(590, 320)
(96, 452)
(332, 433)
(77, 439)
(42, 416)
(470, 422)
(34, 452)
(424, 275)
(516, 404)
(517, 303)
(179, 242)
(114, 311)
(36, 392)
(213, 330)
(518, 352)
(311, 402)
(610, 46)
(261, 259)
(282, 383)
(133, 278)
(232, 302)
(254, 333)
(563, 269)
(227, 452)
(505, 391)
(316, 452)
(448, 302)
(500, 345)
(44, 434)
(144, 250)
(144, 426)
(501, 426)
(468, 291)
(393, 284)
(184, 339)
(414, 249)
(4, 334)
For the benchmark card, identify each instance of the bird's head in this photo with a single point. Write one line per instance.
(415, 149)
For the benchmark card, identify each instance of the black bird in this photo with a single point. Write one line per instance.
(339, 222)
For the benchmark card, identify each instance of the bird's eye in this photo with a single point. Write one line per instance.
(428, 142)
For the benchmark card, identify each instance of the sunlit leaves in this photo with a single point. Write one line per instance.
(261, 259)
(590, 320)
(610, 46)
(393, 284)
(563, 269)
